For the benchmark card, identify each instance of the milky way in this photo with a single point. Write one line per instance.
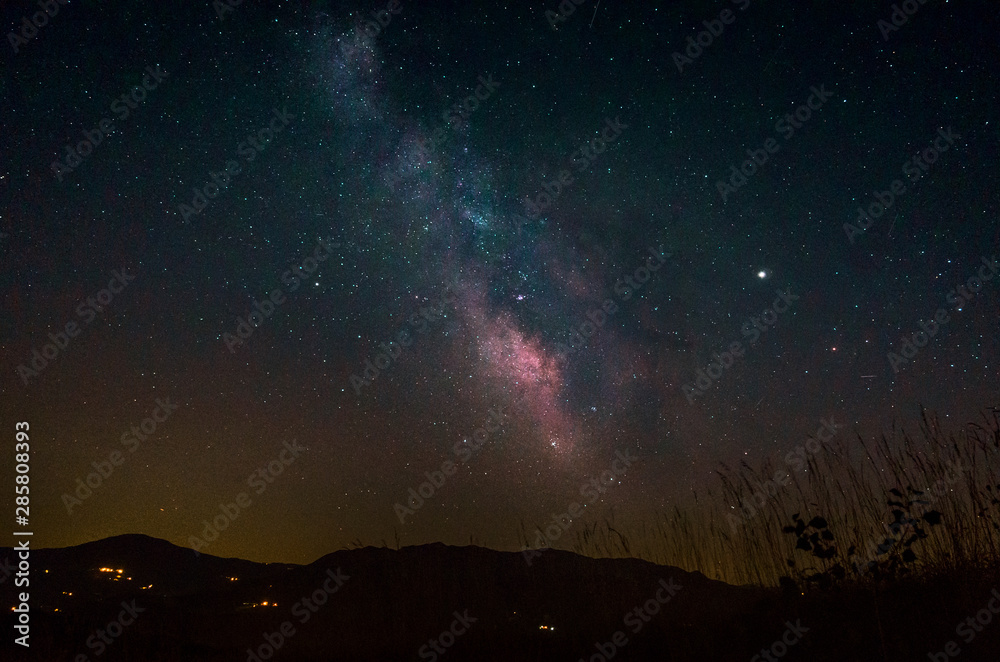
(499, 194)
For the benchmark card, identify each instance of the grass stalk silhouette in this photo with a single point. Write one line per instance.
(893, 506)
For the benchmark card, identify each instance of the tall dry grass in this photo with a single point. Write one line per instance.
(860, 487)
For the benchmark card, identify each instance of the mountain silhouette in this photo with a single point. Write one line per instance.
(469, 603)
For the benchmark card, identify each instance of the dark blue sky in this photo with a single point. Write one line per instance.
(410, 151)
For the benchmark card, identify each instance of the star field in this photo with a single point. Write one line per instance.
(517, 216)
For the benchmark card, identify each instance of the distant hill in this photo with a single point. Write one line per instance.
(383, 604)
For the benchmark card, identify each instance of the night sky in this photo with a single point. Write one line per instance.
(539, 230)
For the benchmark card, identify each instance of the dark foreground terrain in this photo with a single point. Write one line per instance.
(140, 598)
